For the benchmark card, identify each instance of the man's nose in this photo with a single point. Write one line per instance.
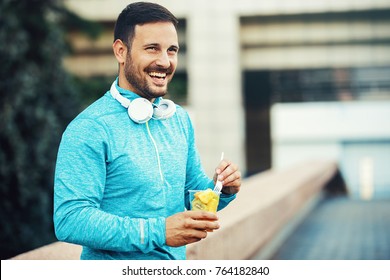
(163, 60)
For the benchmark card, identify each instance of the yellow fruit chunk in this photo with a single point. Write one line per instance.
(213, 205)
(198, 205)
(205, 200)
(206, 196)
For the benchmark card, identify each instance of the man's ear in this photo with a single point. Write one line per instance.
(120, 51)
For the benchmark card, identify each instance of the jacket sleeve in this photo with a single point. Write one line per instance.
(78, 190)
(196, 176)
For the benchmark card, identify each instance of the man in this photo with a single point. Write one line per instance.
(122, 176)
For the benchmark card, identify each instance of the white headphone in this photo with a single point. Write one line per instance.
(141, 110)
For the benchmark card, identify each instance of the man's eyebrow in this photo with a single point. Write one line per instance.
(151, 45)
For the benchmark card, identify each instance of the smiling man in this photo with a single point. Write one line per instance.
(126, 163)
(147, 65)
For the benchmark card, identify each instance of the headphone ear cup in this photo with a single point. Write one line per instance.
(140, 110)
(165, 109)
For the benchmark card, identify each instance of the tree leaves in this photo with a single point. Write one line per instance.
(37, 100)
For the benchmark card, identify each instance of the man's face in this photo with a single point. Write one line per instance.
(152, 60)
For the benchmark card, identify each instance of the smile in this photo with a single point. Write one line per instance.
(158, 75)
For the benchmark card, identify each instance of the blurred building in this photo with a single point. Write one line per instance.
(319, 68)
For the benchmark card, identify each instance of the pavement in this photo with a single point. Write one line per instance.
(341, 228)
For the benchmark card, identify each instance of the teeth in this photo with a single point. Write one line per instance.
(159, 75)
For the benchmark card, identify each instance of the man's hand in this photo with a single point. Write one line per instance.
(188, 227)
(228, 173)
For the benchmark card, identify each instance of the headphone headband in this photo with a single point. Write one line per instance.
(115, 93)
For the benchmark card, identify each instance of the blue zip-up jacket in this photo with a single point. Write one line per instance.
(116, 181)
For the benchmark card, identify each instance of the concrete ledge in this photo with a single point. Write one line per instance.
(54, 251)
(265, 204)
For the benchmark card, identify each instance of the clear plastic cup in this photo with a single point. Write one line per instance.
(206, 200)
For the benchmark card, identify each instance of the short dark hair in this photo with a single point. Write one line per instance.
(137, 14)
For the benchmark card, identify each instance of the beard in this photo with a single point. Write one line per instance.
(140, 84)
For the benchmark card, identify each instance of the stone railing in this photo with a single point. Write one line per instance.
(266, 203)
(54, 251)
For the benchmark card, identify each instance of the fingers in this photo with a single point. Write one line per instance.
(188, 227)
(228, 173)
(195, 236)
(205, 225)
(233, 179)
(230, 176)
(200, 223)
(202, 215)
(202, 220)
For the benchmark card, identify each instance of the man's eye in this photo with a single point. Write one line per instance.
(173, 50)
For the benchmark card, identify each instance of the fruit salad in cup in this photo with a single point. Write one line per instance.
(206, 200)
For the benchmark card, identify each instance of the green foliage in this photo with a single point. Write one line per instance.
(92, 88)
(37, 101)
(177, 90)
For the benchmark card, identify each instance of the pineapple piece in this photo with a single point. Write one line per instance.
(206, 200)
(213, 205)
(198, 205)
(206, 196)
